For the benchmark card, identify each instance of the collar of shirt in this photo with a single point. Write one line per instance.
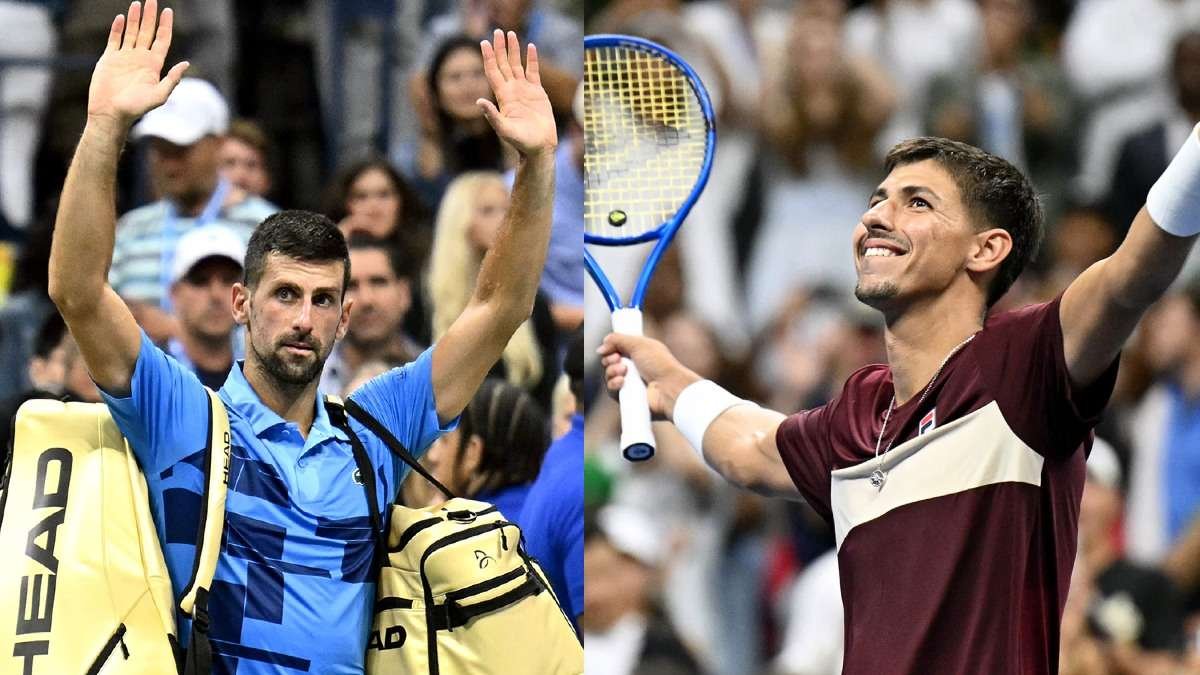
(242, 398)
(577, 422)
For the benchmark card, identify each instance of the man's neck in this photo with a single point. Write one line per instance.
(919, 340)
(207, 353)
(295, 404)
(192, 206)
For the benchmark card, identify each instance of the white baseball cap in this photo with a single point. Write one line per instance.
(194, 110)
(1103, 465)
(633, 533)
(203, 242)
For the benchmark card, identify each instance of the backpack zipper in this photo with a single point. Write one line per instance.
(118, 638)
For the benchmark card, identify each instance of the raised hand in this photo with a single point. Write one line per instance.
(524, 118)
(126, 82)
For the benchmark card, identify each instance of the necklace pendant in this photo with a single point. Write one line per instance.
(878, 478)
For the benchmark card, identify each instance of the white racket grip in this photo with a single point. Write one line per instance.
(637, 438)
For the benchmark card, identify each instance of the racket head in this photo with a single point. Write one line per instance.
(650, 135)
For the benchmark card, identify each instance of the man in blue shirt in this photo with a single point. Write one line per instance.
(552, 518)
(292, 588)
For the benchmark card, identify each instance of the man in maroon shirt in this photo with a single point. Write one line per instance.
(952, 475)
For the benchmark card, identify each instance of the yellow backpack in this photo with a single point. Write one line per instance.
(457, 594)
(83, 584)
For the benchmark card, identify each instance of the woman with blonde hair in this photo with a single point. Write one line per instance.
(467, 221)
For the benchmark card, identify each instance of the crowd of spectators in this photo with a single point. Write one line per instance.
(757, 295)
(268, 119)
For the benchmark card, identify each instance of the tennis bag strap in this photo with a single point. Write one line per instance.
(194, 602)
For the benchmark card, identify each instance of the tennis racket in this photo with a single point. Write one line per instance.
(650, 138)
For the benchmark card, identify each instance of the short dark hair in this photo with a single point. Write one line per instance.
(401, 267)
(50, 335)
(512, 427)
(995, 193)
(412, 208)
(300, 235)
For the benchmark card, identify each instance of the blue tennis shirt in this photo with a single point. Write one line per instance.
(290, 594)
(552, 518)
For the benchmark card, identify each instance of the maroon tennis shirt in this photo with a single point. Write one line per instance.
(961, 562)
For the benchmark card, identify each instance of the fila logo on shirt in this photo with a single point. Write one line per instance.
(928, 422)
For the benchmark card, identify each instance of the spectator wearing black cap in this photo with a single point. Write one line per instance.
(552, 519)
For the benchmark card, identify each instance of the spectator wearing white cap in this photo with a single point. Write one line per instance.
(185, 137)
(208, 261)
(623, 553)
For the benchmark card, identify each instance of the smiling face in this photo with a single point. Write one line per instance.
(917, 240)
(293, 315)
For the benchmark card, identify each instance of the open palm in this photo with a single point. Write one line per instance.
(522, 115)
(126, 81)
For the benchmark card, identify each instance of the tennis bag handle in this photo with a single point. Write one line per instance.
(194, 602)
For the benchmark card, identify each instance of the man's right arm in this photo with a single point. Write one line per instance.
(739, 443)
(125, 84)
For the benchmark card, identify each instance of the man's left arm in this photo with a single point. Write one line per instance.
(1102, 306)
(508, 278)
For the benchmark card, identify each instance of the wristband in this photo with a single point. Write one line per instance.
(698, 405)
(1174, 200)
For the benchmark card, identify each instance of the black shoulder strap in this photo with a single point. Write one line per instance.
(356, 411)
(365, 469)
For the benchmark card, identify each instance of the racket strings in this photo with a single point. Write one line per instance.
(646, 136)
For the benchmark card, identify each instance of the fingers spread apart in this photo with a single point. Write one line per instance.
(136, 28)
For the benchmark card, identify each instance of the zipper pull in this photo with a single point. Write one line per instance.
(503, 539)
(121, 640)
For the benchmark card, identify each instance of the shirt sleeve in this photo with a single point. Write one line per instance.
(402, 400)
(1023, 353)
(804, 445)
(162, 415)
(573, 559)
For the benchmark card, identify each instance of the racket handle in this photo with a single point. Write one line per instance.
(637, 438)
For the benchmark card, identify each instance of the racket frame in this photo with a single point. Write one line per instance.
(637, 442)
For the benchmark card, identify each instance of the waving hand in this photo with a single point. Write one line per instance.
(523, 117)
(126, 82)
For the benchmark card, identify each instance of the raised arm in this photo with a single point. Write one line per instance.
(739, 443)
(125, 84)
(1102, 306)
(509, 276)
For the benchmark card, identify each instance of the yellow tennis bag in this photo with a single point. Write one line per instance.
(457, 594)
(83, 584)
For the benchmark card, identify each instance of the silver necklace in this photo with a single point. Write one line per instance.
(879, 476)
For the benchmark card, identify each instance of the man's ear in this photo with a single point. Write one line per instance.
(472, 456)
(988, 249)
(241, 303)
(344, 321)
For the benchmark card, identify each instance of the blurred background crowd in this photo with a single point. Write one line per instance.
(1091, 98)
(364, 111)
